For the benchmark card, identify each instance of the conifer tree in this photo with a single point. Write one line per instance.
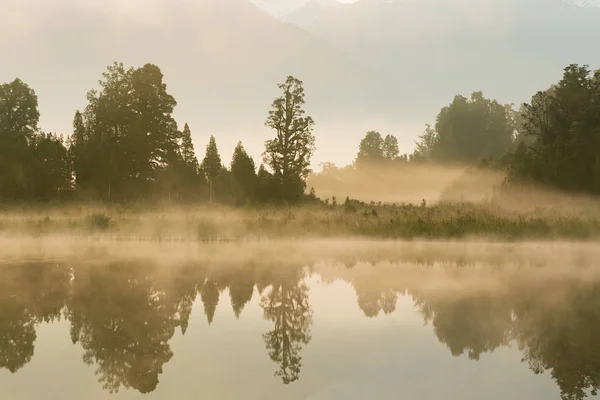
(211, 164)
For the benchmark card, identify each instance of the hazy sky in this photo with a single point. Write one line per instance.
(61, 47)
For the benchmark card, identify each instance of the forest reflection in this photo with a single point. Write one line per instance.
(124, 313)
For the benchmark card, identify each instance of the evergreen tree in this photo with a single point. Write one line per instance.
(289, 153)
(225, 187)
(188, 155)
(265, 185)
(77, 150)
(189, 176)
(211, 164)
(243, 171)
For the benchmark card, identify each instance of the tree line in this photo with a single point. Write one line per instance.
(126, 145)
(554, 140)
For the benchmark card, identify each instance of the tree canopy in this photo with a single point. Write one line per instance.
(375, 149)
(468, 130)
(563, 123)
(19, 117)
(290, 152)
(127, 134)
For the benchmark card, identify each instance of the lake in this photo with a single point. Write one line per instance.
(342, 319)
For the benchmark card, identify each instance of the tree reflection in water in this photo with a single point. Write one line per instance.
(476, 323)
(124, 323)
(30, 293)
(124, 314)
(286, 305)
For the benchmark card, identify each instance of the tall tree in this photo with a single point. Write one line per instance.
(375, 149)
(468, 130)
(212, 164)
(564, 123)
(243, 171)
(130, 130)
(426, 145)
(266, 189)
(188, 155)
(225, 187)
(78, 142)
(370, 149)
(390, 147)
(50, 170)
(190, 178)
(19, 117)
(289, 153)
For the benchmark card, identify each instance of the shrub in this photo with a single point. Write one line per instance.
(99, 221)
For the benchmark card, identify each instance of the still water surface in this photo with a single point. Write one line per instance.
(451, 322)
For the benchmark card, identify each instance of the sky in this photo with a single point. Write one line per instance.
(63, 55)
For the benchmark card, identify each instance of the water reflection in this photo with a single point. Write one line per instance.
(124, 313)
(474, 324)
(286, 305)
(123, 318)
(29, 294)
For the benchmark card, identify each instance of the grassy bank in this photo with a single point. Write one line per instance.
(440, 221)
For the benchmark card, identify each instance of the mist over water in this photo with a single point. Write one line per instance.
(298, 319)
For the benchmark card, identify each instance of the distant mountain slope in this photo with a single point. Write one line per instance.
(222, 60)
(310, 12)
(436, 48)
(279, 7)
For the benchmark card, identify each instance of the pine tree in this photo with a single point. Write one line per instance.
(211, 164)
(265, 190)
(77, 150)
(188, 155)
(244, 172)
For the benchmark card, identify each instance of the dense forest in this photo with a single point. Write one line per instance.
(127, 146)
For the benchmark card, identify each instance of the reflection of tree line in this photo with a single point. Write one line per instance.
(554, 322)
(124, 314)
(29, 294)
